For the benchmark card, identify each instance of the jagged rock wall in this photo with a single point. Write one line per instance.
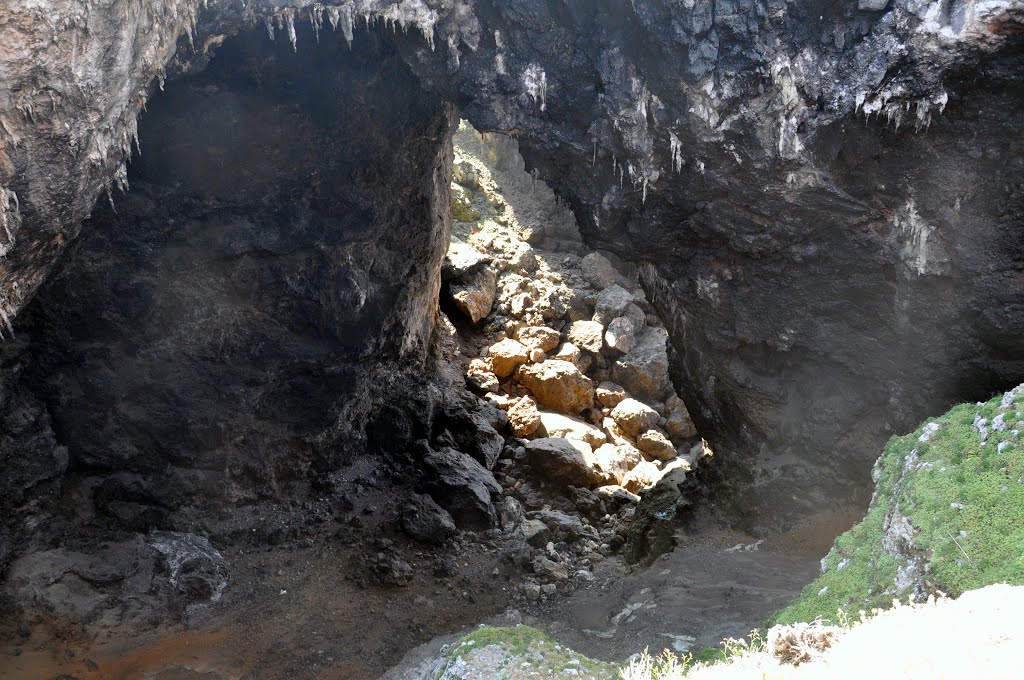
(824, 200)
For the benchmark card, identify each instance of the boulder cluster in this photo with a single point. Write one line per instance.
(570, 354)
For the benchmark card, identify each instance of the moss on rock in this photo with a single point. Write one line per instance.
(947, 516)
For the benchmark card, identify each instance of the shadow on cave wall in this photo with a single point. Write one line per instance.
(286, 219)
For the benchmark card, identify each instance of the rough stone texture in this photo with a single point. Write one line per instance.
(616, 460)
(656, 445)
(539, 337)
(644, 370)
(463, 487)
(678, 423)
(426, 521)
(653, 528)
(587, 335)
(558, 385)
(524, 418)
(611, 304)
(609, 394)
(474, 293)
(506, 356)
(822, 201)
(566, 427)
(643, 475)
(598, 271)
(566, 461)
(620, 335)
(634, 417)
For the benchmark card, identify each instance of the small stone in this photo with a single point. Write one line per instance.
(611, 304)
(634, 417)
(480, 378)
(549, 569)
(540, 337)
(616, 460)
(506, 356)
(610, 394)
(537, 355)
(531, 591)
(462, 260)
(549, 588)
(524, 418)
(656, 445)
(587, 335)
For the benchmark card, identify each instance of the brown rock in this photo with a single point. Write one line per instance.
(568, 352)
(644, 370)
(616, 460)
(557, 385)
(634, 417)
(656, 445)
(565, 460)
(644, 475)
(524, 418)
(587, 335)
(610, 394)
(678, 423)
(507, 356)
(557, 425)
(474, 296)
(539, 337)
(481, 378)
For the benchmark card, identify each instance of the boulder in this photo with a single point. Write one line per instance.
(426, 521)
(568, 352)
(634, 417)
(510, 514)
(598, 271)
(557, 385)
(480, 378)
(506, 356)
(652, 532)
(474, 294)
(524, 418)
(564, 460)
(615, 461)
(611, 304)
(609, 394)
(678, 423)
(539, 337)
(656, 445)
(462, 260)
(644, 370)
(567, 427)
(587, 335)
(619, 336)
(644, 475)
(563, 527)
(463, 487)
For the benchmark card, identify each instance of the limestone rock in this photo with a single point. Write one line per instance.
(619, 335)
(644, 370)
(426, 521)
(609, 394)
(656, 445)
(557, 385)
(539, 337)
(524, 418)
(566, 427)
(678, 423)
(474, 295)
(565, 460)
(611, 304)
(634, 417)
(587, 335)
(506, 356)
(645, 474)
(598, 271)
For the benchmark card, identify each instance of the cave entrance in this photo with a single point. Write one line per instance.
(285, 221)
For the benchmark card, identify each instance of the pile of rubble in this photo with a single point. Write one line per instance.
(575, 360)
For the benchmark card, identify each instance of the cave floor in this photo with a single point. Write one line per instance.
(304, 611)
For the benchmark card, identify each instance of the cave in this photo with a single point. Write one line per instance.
(283, 287)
